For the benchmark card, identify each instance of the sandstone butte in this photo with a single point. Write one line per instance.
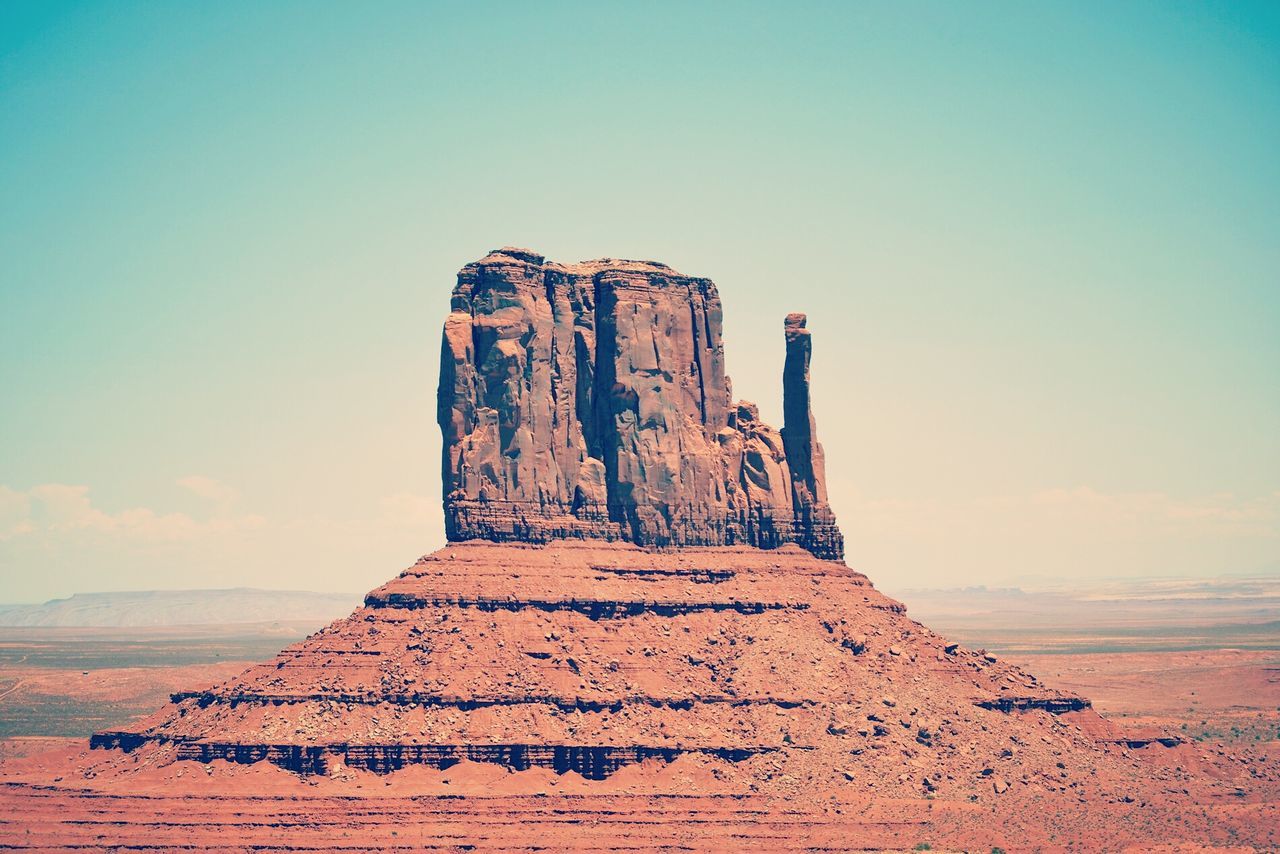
(642, 634)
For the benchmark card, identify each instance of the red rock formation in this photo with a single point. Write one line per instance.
(590, 401)
(590, 656)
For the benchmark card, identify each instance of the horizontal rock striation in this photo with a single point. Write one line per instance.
(588, 405)
(1052, 705)
(589, 656)
(594, 762)
(467, 704)
(590, 401)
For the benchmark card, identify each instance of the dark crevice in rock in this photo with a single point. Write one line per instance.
(466, 704)
(1138, 743)
(596, 609)
(591, 761)
(1052, 705)
(118, 740)
(697, 576)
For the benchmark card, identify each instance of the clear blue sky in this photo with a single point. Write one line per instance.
(1039, 245)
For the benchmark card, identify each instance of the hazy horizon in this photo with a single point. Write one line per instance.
(1036, 243)
(1028, 584)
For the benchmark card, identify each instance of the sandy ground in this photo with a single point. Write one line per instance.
(69, 702)
(1227, 695)
(685, 805)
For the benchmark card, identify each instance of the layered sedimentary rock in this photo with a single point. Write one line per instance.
(592, 656)
(590, 401)
(588, 691)
(588, 405)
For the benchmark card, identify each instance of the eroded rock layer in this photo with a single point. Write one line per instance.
(590, 401)
(589, 657)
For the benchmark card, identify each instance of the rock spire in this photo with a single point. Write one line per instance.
(590, 401)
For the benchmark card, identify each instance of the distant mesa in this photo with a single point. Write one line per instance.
(590, 401)
(143, 608)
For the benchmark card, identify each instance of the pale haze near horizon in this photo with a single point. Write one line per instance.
(1037, 245)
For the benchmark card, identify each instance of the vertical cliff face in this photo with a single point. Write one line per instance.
(590, 401)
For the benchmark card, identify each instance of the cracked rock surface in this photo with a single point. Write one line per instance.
(590, 401)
